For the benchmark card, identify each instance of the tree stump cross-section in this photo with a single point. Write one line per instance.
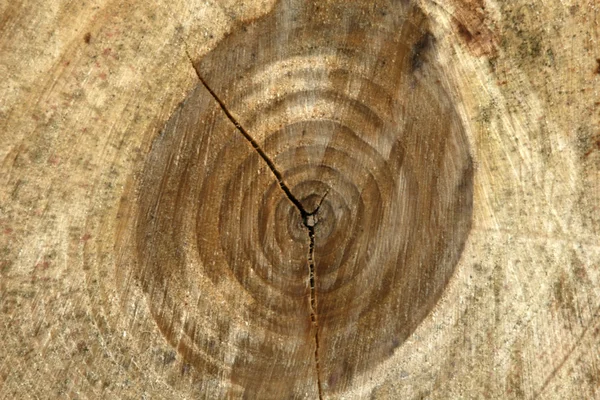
(314, 192)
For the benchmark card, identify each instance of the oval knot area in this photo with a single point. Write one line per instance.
(302, 211)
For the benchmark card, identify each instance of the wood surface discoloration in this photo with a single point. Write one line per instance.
(353, 143)
(86, 311)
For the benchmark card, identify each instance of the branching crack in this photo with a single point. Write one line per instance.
(309, 219)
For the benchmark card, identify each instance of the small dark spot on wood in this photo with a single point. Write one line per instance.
(464, 33)
(419, 49)
(395, 343)
(185, 368)
(597, 71)
(591, 145)
(573, 9)
(169, 357)
(87, 38)
(82, 347)
(333, 379)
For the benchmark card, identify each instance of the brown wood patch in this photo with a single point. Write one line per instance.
(312, 195)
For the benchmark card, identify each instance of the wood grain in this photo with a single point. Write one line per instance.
(321, 185)
(275, 199)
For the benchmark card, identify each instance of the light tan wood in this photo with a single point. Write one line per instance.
(342, 199)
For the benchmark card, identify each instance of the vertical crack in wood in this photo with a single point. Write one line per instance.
(308, 218)
(313, 299)
(310, 221)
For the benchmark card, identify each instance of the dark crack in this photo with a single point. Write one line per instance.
(309, 219)
(310, 222)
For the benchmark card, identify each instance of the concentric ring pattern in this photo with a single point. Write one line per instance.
(346, 103)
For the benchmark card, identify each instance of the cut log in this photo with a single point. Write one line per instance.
(336, 199)
(322, 186)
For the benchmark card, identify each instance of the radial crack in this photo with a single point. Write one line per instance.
(308, 218)
(313, 299)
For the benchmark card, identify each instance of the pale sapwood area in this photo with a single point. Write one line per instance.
(289, 199)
